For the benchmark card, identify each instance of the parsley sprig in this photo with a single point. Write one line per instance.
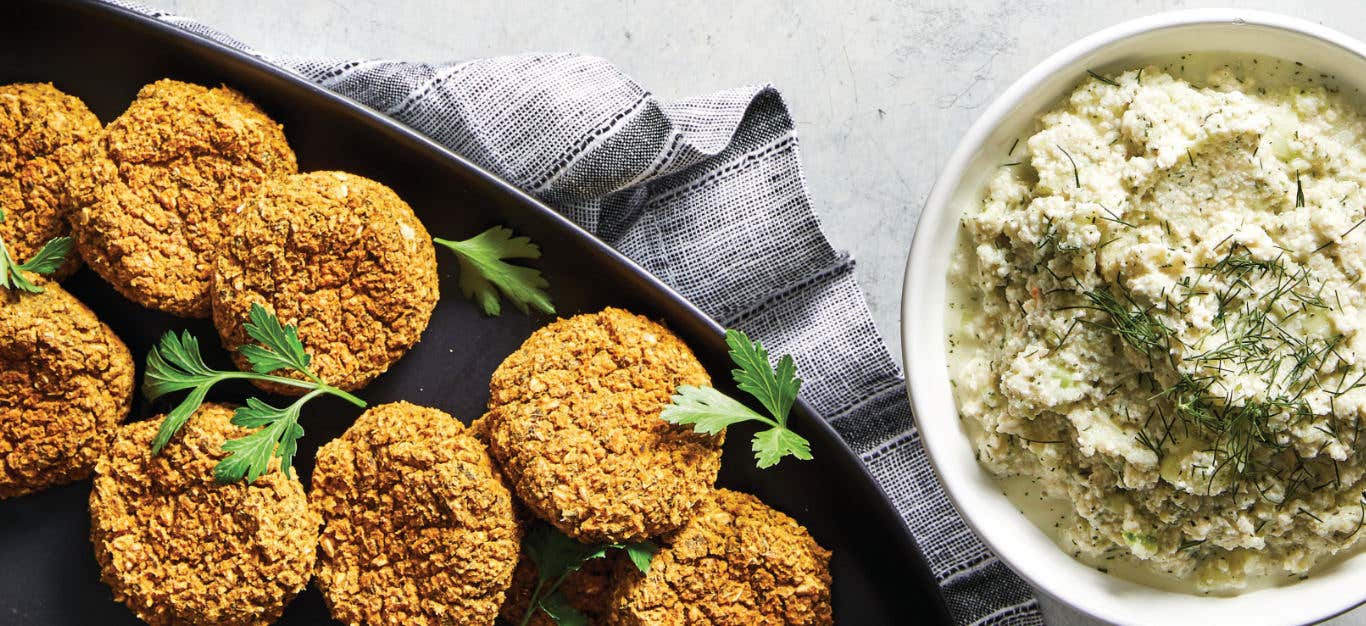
(46, 261)
(711, 411)
(556, 557)
(484, 273)
(176, 364)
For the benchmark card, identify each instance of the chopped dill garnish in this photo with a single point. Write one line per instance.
(1063, 340)
(1113, 218)
(1146, 440)
(1315, 517)
(1299, 191)
(1012, 146)
(1139, 327)
(1349, 230)
(1102, 79)
(1076, 175)
(1041, 441)
(1254, 299)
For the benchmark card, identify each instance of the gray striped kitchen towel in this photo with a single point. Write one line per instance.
(708, 194)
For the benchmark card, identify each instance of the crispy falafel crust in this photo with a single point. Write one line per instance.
(738, 562)
(574, 419)
(43, 133)
(162, 184)
(338, 255)
(179, 548)
(417, 528)
(66, 381)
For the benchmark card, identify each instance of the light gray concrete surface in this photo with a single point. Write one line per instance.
(881, 89)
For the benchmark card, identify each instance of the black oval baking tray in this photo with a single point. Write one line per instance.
(103, 54)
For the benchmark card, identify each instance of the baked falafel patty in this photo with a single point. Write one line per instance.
(66, 381)
(162, 184)
(178, 547)
(417, 527)
(737, 562)
(338, 255)
(574, 419)
(43, 133)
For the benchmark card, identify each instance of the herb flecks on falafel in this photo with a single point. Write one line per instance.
(158, 190)
(417, 526)
(574, 421)
(341, 257)
(43, 139)
(737, 562)
(50, 258)
(179, 548)
(66, 381)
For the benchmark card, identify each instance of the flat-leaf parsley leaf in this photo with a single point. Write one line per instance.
(710, 411)
(46, 261)
(176, 364)
(484, 273)
(556, 557)
(280, 347)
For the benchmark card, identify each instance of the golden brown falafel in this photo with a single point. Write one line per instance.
(338, 255)
(589, 590)
(417, 528)
(179, 548)
(43, 135)
(162, 184)
(574, 419)
(66, 381)
(737, 562)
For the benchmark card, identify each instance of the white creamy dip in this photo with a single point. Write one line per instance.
(1156, 318)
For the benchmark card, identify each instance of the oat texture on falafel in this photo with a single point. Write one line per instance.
(43, 135)
(574, 419)
(162, 184)
(417, 527)
(66, 381)
(738, 563)
(179, 548)
(341, 257)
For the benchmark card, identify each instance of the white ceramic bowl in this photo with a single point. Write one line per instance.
(1328, 591)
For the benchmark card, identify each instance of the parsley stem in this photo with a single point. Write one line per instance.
(343, 395)
(537, 598)
(317, 391)
(315, 387)
(534, 604)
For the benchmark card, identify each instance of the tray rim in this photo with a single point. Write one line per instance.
(804, 415)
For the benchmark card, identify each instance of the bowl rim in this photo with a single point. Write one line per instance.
(938, 208)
